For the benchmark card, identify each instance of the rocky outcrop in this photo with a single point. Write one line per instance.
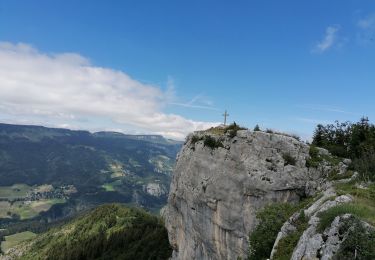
(312, 242)
(217, 189)
(155, 189)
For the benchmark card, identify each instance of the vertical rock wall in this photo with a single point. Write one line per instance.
(215, 193)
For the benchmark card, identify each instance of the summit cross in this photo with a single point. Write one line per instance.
(225, 115)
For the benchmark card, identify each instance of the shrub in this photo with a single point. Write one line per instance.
(257, 128)
(271, 219)
(287, 244)
(314, 160)
(211, 142)
(232, 129)
(288, 159)
(195, 139)
(359, 242)
(350, 140)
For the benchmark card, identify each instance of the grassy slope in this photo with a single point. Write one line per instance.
(15, 239)
(108, 232)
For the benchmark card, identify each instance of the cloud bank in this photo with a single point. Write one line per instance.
(66, 89)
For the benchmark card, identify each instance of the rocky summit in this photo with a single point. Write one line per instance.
(221, 180)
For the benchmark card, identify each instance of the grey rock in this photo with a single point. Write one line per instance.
(311, 242)
(155, 189)
(216, 193)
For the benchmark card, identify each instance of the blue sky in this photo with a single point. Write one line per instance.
(286, 65)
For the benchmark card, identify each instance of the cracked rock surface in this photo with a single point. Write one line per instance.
(216, 193)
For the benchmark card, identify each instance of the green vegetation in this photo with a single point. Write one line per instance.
(215, 142)
(257, 128)
(108, 232)
(314, 160)
(317, 158)
(359, 242)
(287, 244)
(208, 141)
(364, 197)
(108, 187)
(15, 239)
(288, 159)
(350, 140)
(13, 192)
(367, 192)
(32, 156)
(271, 219)
(212, 142)
(334, 176)
(17, 206)
(358, 210)
(232, 129)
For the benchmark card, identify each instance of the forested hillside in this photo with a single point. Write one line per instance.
(47, 174)
(108, 232)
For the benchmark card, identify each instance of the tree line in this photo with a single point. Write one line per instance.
(350, 140)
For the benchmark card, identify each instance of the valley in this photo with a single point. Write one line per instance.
(50, 175)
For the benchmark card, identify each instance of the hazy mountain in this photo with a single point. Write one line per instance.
(51, 173)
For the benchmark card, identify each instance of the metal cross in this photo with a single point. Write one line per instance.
(225, 115)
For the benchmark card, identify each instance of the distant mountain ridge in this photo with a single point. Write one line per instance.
(102, 167)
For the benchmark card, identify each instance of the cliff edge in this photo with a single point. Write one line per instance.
(221, 179)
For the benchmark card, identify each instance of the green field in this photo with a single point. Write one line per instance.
(14, 192)
(26, 209)
(15, 239)
(111, 186)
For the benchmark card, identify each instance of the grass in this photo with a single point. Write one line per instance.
(271, 219)
(15, 239)
(334, 176)
(108, 187)
(287, 244)
(15, 191)
(358, 210)
(26, 209)
(350, 188)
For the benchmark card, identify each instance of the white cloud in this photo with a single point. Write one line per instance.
(65, 89)
(367, 23)
(329, 39)
(366, 33)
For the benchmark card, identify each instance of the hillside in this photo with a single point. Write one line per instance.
(108, 232)
(48, 174)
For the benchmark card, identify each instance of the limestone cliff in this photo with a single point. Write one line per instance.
(221, 180)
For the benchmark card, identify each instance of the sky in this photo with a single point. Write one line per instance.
(172, 67)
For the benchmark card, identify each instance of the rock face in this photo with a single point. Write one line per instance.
(216, 193)
(155, 189)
